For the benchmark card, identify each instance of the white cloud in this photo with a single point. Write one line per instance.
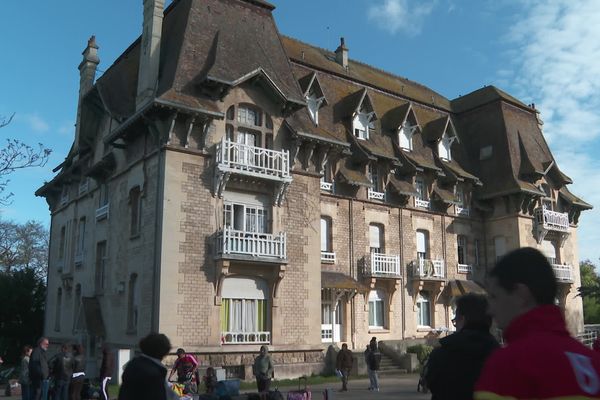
(555, 52)
(406, 16)
(36, 123)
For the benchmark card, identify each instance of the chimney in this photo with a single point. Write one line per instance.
(341, 54)
(87, 74)
(150, 51)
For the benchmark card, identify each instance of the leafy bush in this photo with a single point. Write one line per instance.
(421, 350)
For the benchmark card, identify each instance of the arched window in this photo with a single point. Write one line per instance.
(423, 309)
(132, 303)
(377, 308)
(58, 311)
(245, 315)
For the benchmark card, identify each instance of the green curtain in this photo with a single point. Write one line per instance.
(225, 310)
(262, 315)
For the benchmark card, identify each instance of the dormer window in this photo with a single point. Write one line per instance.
(361, 124)
(405, 134)
(444, 147)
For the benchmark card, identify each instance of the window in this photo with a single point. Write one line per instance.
(135, 201)
(549, 251)
(499, 247)
(546, 202)
(461, 242)
(103, 192)
(62, 243)
(376, 238)
(422, 245)
(76, 306)
(444, 147)
(132, 303)
(423, 309)
(244, 310)
(374, 177)
(326, 234)
(245, 218)
(57, 314)
(80, 242)
(64, 196)
(421, 189)
(405, 133)
(313, 107)
(248, 116)
(376, 309)
(477, 248)
(100, 273)
(246, 154)
(460, 196)
(361, 125)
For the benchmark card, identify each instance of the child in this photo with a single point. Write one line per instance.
(210, 380)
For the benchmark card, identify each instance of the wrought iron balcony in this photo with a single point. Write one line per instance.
(552, 220)
(327, 257)
(252, 244)
(253, 161)
(373, 194)
(428, 269)
(563, 272)
(245, 337)
(383, 265)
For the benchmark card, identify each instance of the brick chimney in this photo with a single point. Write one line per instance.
(87, 75)
(341, 54)
(150, 51)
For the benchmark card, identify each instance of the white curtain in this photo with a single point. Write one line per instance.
(250, 322)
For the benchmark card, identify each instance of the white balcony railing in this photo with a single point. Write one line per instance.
(245, 337)
(465, 268)
(463, 211)
(422, 203)
(384, 264)
(326, 186)
(102, 212)
(552, 220)
(423, 268)
(252, 160)
(563, 272)
(253, 244)
(373, 194)
(327, 257)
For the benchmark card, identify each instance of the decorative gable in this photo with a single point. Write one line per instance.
(314, 95)
(407, 128)
(363, 116)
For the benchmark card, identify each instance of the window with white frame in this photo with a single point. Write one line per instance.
(361, 124)
(421, 188)
(422, 244)
(499, 247)
(376, 238)
(376, 309)
(405, 133)
(423, 309)
(444, 147)
(244, 305)
(245, 217)
(461, 242)
(326, 234)
(313, 103)
(327, 178)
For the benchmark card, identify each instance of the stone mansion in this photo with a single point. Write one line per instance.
(232, 187)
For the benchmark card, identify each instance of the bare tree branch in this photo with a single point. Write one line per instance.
(4, 121)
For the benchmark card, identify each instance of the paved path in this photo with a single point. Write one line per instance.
(401, 387)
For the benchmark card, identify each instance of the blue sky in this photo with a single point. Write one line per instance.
(545, 52)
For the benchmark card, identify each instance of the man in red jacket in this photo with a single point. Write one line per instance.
(541, 360)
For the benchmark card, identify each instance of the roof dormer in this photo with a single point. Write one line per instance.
(442, 133)
(314, 96)
(363, 115)
(407, 128)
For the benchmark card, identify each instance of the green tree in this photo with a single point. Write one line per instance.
(590, 292)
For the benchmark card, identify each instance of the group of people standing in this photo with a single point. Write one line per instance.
(60, 377)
